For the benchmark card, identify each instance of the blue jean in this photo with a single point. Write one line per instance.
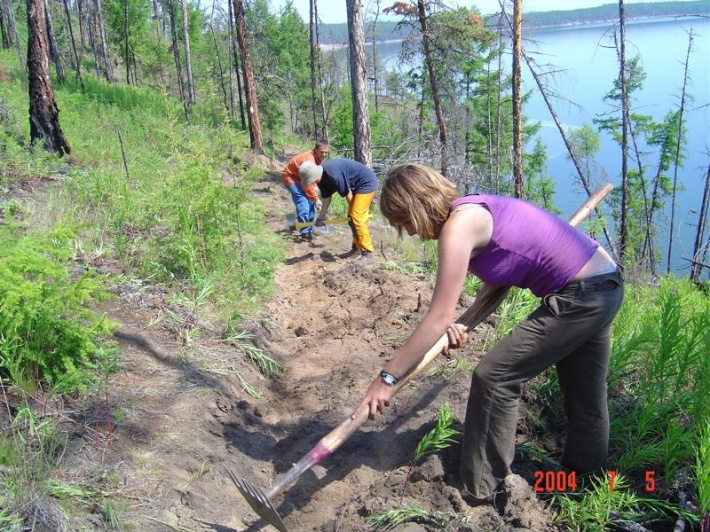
(305, 208)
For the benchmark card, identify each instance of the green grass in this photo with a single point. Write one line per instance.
(172, 202)
(659, 393)
(391, 518)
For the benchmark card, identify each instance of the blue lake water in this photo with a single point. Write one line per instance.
(587, 62)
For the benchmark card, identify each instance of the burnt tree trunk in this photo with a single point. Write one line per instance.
(234, 48)
(44, 114)
(257, 143)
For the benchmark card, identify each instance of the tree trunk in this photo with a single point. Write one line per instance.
(698, 248)
(52, 42)
(9, 30)
(375, 76)
(156, 18)
(311, 39)
(176, 56)
(126, 34)
(678, 147)
(257, 143)
(232, 31)
(4, 30)
(324, 117)
(438, 111)
(104, 41)
(623, 229)
(75, 57)
(517, 101)
(358, 76)
(44, 115)
(13, 37)
(93, 42)
(81, 18)
(188, 63)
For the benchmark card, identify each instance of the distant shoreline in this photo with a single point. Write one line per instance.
(610, 22)
(556, 27)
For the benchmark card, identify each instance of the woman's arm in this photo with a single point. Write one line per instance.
(463, 232)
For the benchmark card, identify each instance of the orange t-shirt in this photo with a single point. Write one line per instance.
(289, 176)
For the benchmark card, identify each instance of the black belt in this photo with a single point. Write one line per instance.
(604, 281)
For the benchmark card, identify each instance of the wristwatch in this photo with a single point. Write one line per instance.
(388, 378)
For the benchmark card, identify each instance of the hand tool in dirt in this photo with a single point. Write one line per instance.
(487, 300)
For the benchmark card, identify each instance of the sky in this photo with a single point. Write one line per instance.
(333, 11)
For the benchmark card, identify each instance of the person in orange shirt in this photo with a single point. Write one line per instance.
(305, 198)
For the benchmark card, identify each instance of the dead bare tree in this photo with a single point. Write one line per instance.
(699, 250)
(358, 77)
(319, 62)
(517, 101)
(256, 142)
(312, 40)
(235, 55)
(679, 137)
(76, 60)
(101, 26)
(52, 41)
(624, 95)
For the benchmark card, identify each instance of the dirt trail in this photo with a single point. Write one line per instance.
(332, 324)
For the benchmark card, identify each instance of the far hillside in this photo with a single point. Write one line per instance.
(388, 30)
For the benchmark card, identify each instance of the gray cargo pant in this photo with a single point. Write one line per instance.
(571, 329)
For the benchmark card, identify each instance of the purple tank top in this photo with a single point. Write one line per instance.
(530, 247)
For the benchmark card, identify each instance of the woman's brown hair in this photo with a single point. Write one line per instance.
(416, 194)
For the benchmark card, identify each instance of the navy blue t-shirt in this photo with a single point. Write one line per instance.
(343, 175)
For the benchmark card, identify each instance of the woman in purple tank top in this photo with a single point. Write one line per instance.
(509, 242)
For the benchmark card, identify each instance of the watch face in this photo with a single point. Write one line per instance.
(388, 379)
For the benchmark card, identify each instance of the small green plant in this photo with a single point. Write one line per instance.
(47, 331)
(399, 516)
(110, 513)
(438, 438)
(201, 472)
(606, 501)
(450, 368)
(249, 389)
(28, 457)
(264, 363)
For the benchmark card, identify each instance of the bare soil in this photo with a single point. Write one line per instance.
(178, 412)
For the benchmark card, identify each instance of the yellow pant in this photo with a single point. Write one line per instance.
(358, 216)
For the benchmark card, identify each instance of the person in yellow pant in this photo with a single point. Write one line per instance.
(357, 184)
